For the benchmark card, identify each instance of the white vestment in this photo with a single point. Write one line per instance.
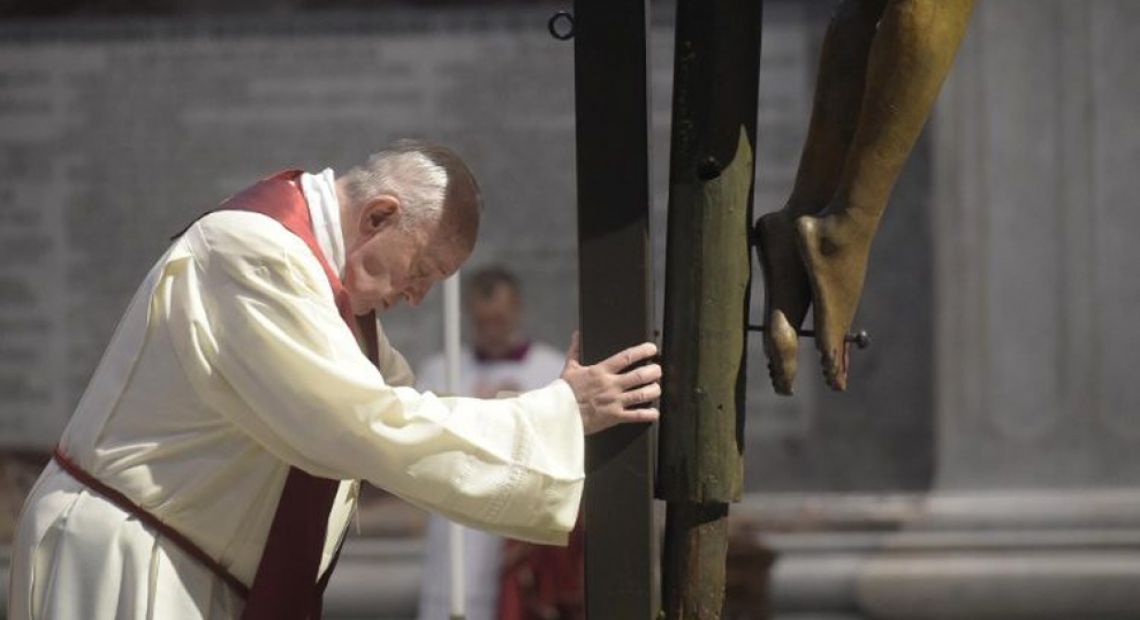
(482, 551)
(230, 365)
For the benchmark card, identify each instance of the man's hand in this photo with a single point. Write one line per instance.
(607, 393)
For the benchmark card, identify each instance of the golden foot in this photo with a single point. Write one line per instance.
(834, 251)
(787, 296)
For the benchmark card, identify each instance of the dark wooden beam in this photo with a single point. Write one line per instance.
(707, 280)
(614, 271)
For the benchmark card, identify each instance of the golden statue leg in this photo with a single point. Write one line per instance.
(912, 51)
(838, 93)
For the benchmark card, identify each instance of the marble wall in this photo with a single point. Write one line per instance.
(1036, 147)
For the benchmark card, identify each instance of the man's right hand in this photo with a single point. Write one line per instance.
(609, 392)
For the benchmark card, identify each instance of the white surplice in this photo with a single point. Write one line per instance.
(230, 365)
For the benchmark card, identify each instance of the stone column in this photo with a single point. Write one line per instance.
(1035, 214)
(1035, 511)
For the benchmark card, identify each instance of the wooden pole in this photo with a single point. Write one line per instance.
(614, 271)
(451, 349)
(708, 273)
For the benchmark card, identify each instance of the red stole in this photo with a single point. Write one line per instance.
(286, 586)
(543, 581)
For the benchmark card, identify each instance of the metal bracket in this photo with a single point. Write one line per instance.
(566, 31)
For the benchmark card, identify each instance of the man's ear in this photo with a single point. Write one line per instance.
(378, 213)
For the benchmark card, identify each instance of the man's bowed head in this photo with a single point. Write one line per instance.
(410, 218)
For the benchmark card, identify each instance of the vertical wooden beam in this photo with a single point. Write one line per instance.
(614, 271)
(708, 271)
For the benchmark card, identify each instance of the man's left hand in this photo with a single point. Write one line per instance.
(609, 392)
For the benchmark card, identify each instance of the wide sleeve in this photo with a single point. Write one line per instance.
(310, 397)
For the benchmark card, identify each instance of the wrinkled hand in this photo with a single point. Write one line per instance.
(608, 394)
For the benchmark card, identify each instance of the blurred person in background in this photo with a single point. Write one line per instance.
(504, 579)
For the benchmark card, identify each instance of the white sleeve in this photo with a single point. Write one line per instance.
(314, 400)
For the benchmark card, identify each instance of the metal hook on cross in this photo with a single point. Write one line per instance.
(561, 25)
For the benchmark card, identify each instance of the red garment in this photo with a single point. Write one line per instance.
(286, 585)
(543, 582)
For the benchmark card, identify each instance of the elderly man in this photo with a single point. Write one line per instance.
(210, 468)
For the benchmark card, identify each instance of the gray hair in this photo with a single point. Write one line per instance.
(409, 170)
